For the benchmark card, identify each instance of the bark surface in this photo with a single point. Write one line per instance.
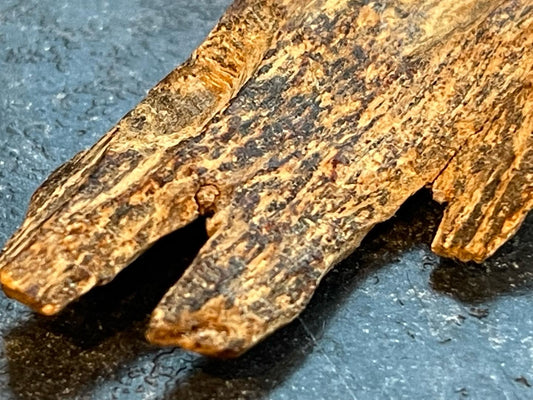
(296, 127)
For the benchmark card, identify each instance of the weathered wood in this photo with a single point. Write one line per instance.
(99, 211)
(343, 111)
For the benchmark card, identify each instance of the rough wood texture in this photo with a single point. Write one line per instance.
(296, 127)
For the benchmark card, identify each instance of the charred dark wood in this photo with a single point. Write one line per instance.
(296, 126)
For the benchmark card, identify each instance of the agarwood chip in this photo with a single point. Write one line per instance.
(297, 127)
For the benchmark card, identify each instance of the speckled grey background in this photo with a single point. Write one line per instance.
(392, 321)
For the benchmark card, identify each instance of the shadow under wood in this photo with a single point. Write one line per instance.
(85, 345)
(509, 271)
(90, 340)
(271, 362)
(51, 357)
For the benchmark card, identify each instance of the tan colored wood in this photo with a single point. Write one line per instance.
(296, 127)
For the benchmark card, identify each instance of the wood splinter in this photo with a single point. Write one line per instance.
(296, 127)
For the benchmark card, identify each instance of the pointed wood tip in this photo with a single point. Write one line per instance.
(206, 336)
(206, 341)
(27, 296)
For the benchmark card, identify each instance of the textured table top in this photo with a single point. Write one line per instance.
(392, 321)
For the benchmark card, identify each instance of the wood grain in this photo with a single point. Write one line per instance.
(296, 127)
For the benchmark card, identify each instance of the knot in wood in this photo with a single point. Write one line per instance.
(206, 197)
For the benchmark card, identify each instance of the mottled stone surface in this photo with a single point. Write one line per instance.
(392, 321)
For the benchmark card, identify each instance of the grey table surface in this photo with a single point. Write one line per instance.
(392, 321)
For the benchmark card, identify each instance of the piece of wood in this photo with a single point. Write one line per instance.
(99, 211)
(296, 126)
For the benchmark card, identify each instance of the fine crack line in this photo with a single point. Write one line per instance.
(315, 342)
(434, 330)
